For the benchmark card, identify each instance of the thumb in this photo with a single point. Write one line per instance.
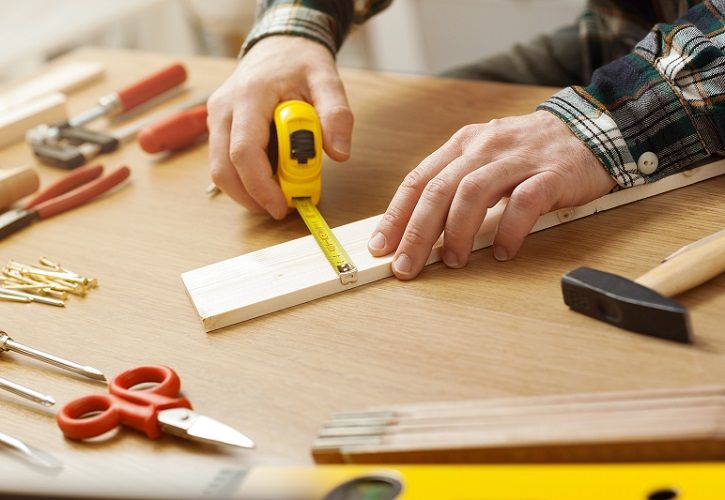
(328, 96)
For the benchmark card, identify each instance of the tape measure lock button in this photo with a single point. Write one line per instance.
(302, 146)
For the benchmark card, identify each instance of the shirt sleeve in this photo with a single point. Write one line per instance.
(325, 21)
(666, 98)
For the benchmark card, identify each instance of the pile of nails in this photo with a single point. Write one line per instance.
(46, 283)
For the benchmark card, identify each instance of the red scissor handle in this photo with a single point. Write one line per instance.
(74, 426)
(136, 409)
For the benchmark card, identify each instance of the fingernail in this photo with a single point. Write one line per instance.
(450, 259)
(341, 145)
(402, 264)
(377, 242)
(500, 254)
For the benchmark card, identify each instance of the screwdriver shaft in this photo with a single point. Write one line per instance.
(6, 343)
(26, 392)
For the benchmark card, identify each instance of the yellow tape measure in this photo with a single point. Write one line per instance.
(299, 172)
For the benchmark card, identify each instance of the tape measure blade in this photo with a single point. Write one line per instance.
(327, 241)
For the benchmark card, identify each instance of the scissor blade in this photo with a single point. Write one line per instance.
(188, 424)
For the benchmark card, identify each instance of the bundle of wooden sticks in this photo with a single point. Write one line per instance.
(652, 425)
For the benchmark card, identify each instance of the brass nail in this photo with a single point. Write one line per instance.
(57, 267)
(14, 286)
(58, 294)
(13, 298)
(33, 297)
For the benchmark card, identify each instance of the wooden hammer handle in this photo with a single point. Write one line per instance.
(687, 269)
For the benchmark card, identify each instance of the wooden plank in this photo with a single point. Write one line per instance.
(16, 121)
(65, 78)
(296, 271)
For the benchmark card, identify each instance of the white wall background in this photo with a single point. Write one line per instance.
(420, 36)
(429, 36)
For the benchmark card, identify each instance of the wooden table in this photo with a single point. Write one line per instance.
(490, 329)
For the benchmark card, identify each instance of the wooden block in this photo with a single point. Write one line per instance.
(64, 79)
(294, 272)
(17, 183)
(16, 121)
(650, 425)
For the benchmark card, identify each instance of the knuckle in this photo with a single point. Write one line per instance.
(413, 235)
(338, 113)
(454, 233)
(436, 190)
(216, 172)
(414, 180)
(216, 102)
(238, 151)
(472, 140)
(471, 189)
(256, 191)
(391, 217)
(467, 131)
(528, 198)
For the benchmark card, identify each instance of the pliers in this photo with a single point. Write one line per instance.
(70, 191)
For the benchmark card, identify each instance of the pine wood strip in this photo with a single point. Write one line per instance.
(16, 121)
(341, 425)
(65, 78)
(294, 272)
(651, 398)
(596, 426)
(686, 426)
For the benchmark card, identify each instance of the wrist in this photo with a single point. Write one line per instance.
(297, 21)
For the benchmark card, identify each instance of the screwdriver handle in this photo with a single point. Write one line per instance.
(175, 131)
(144, 90)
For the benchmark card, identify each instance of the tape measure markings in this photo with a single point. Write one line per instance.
(326, 240)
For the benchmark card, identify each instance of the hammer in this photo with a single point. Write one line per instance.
(643, 305)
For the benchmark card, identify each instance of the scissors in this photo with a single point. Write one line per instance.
(70, 191)
(151, 410)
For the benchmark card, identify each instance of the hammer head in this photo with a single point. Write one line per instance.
(626, 304)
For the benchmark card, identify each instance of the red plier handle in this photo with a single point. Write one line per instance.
(76, 188)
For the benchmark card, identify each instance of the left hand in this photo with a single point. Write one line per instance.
(534, 159)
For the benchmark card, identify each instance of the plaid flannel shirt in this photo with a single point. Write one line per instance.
(657, 72)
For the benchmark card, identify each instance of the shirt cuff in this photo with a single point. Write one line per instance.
(626, 126)
(293, 20)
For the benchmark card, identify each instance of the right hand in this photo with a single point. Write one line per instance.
(275, 69)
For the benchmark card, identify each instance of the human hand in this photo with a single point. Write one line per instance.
(534, 159)
(275, 69)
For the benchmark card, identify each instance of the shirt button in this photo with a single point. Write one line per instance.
(647, 163)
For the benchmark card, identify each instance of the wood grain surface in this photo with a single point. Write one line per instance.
(491, 329)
